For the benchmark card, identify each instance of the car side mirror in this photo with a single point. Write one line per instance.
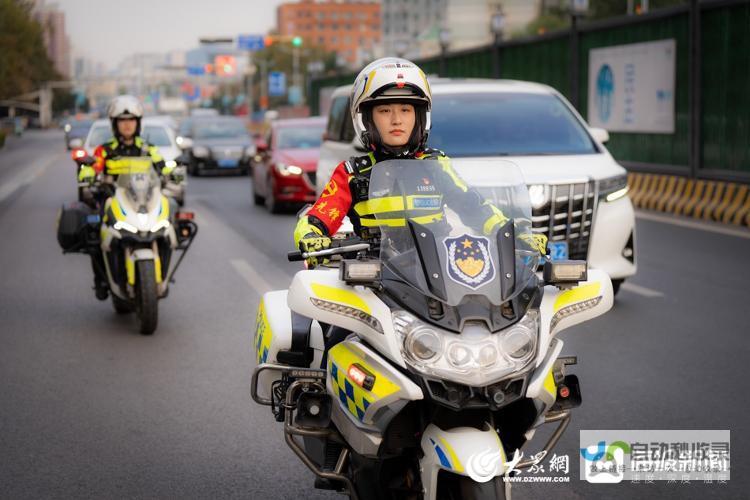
(75, 143)
(600, 135)
(184, 142)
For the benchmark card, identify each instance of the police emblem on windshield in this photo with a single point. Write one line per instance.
(469, 260)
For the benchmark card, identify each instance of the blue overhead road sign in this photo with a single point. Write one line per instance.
(250, 42)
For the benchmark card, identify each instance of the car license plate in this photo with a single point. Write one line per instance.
(558, 250)
(228, 163)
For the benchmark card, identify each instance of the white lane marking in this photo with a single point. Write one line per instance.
(252, 278)
(26, 176)
(641, 290)
(694, 224)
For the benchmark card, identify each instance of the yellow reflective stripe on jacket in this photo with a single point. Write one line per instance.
(497, 218)
(128, 165)
(445, 163)
(392, 204)
(422, 219)
(153, 152)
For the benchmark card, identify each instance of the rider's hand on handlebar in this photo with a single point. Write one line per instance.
(313, 242)
(86, 174)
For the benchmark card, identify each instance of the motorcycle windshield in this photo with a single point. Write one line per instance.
(451, 239)
(137, 177)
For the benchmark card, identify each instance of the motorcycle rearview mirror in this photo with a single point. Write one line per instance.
(565, 273)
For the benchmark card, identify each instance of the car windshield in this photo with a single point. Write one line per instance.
(207, 129)
(506, 124)
(450, 240)
(303, 137)
(156, 136)
(99, 135)
(80, 127)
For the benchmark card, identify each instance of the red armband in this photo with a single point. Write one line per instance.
(334, 201)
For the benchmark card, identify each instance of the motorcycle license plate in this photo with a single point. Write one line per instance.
(558, 250)
(227, 163)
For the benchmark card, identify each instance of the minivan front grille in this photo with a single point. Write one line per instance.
(568, 215)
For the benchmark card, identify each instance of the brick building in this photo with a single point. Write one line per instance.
(349, 27)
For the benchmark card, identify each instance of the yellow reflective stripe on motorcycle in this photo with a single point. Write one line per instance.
(422, 219)
(117, 210)
(130, 269)
(157, 269)
(346, 297)
(164, 208)
(577, 294)
(455, 462)
(356, 398)
(263, 334)
(128, 166)
(395, 204)
(549, 384)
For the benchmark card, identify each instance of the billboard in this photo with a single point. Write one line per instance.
(632, 87)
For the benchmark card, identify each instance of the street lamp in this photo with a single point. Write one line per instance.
(497, 25)
(444, 37)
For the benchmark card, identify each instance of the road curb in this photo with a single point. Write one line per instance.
(725, 202)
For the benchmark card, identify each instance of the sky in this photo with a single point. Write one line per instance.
(109, 30)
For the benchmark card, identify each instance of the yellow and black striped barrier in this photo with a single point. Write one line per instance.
(726, 202)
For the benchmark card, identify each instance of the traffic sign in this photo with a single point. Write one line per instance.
(276, 83)
(250, 42)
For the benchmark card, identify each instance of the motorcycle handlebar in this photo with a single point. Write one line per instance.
(298, 256)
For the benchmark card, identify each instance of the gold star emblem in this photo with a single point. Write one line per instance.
(466, 243)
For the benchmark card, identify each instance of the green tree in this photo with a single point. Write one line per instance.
(24, 63)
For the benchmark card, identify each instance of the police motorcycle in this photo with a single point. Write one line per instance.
(421, 364)
(137, 230)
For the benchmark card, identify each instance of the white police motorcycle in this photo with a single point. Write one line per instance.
(420, 364)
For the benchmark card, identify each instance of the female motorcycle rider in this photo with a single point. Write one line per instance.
(125, 113)
(390, 106)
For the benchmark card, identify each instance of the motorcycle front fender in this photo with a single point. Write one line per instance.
(465, 451)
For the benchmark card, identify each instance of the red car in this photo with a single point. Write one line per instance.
(286, 173)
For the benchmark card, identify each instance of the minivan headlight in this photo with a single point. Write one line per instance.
(476, 357)
(613, 188)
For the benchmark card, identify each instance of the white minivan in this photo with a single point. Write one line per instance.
(578, 191)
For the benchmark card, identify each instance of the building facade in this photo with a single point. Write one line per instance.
(411, 28)
(56, 39)
(350, 28)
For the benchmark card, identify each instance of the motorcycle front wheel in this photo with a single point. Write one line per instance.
(465, 488)
(146, 300)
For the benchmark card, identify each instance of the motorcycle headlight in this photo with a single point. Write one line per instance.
(476, 357)
(200, 151)
(170, 163)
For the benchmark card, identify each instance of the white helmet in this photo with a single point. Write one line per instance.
(391, 79)
(125, 106)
